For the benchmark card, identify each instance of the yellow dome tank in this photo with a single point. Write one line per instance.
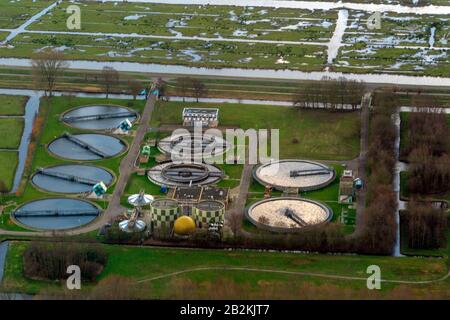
(184, 225)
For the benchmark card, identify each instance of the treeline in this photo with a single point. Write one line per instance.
(428, 152)
(333, 94)
(426, 226)
(380, 226)
(193, 87)
(44, 260)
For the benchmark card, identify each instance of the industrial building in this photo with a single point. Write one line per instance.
(208, 117)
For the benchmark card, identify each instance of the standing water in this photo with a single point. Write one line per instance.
(398, 168)
(31, 109)
(336, 39)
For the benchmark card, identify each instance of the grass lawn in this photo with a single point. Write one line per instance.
(12, 105)
(13, 14)
(151, 262)
(322, 135)
(11, 128)
(8, 165)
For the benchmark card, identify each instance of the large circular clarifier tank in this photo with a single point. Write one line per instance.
(98, 117)
(184, 174)
(56, 213)
(288, 214)
(72, 178)
(102, 146)
(303, 175)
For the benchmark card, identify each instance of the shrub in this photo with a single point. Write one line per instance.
(50, 260)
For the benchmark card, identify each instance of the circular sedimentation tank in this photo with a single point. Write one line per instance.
(164, 213)
(56, 213)
(86, 146)
(207, 212)
(288, 214)
(302, 175)
(189, 146)
(71, 178)
(185, 174)
(98, 117)
(184, 226)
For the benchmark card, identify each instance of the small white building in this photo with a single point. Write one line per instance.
(209, 117)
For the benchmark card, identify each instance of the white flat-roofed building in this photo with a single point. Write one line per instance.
(209, 117)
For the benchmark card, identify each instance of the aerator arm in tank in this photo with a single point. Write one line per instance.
(85, 145)
(99, 116)
(65, 176)
(308, 172)
(291, 215)
(55, 213)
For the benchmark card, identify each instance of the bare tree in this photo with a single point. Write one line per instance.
(162, 87)
(109, 78)
(134, 88)
(47, 66)
(183, 85)
(199, 89)
(334, 94)
(235, 222)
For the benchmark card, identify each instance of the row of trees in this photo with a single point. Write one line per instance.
(49, 66)
(191, 87)
(334, 94)
(50, 260)
(428, 152)
(380, 226)
(426, 226)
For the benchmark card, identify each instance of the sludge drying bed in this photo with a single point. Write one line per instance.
(303, 175)
(56, 213)
(86, 146)
(99, 117)
(287, 214)
(71, 178)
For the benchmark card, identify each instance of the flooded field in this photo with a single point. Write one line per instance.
(307, 36)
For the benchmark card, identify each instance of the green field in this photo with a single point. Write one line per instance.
(233, 36)
(321, 135)
(152, 262)
(183, 52)
(193, 20)
(8, 164)
(3, 35)
(11, 128)
(15, 13)
(400, 46)
(12, 105)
